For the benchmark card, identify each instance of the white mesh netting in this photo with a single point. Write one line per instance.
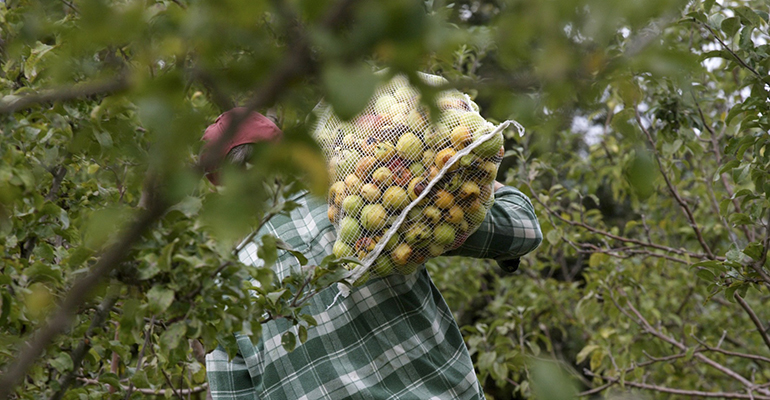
(405, 190)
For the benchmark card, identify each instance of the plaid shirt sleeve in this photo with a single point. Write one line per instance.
(509, 230)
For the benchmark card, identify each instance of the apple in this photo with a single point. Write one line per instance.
(382, 176)
(461, 137)
(444, 234)
(399, 119)
(436, 250)
(409, 146)
(469, 191)
(368, 123)
(364, 165)
(368, 145)
(337, 192)
(417, 169)
(405, 94)
(349, 230)
(443, 199)
(363, 246)
(370, 192)
(401, 176)
(383, 266)
(342, 249)
(333, 213)
(347, 161)
(353, 183)
(463, 226)
(488, 172)
(415, 188)
(401, 254)
(394, 240)
(443, 156)
(455, 214)
(433, 214)
(352, 205)
(384, 151)
(491, 147)
(432, 172)
(395, 198)
(383, 104)
(373, 217)
(349, 141)
(362, 279)
(398, 108)
(428, 157)
(416, 121)
(472, 120)
(469, 160)
(454, 183)
(447, 103)
(486, 192)
(417, 234)
(475, 213)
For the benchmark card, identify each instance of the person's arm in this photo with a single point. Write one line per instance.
(509, 230)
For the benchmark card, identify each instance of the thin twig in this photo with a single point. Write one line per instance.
(672, 188)
(79, 353)
(140, 357)
(664, 389)
(152, 392)
(760, 327)
(729, 50)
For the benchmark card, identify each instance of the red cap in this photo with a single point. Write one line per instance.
(255, 128)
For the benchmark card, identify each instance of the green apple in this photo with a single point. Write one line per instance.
(409, 146)
(444, 234)
(400, 255)
(398, 108)
(373, 217)
(436, 250)
(469, 191)
(491, 146)
(395, 198)
(337, 193)
(349, 230)
(347, 161)
(353, 183)
(428, 157)
(342, 249)
(416, 121)
(384, 151)
(417, 169)
(455, 214)
(382, 176)
(394, 240)
(487, 172)
(461, 137)
(352, 205)
(405, 93)
(433, 213)
(407, 268)
(383, 104)
(383, 266)
(370, 192)
(472, 120)
(417, 234)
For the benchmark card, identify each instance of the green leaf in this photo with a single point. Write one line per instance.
(159, 299)
(280, 244)
(172, 336)
(348, 88)
(748, 16)
(730, 26)
(754, 250)
(585, 352)
(288, 341)
(62, 362)
(553, 237)
(302, 333)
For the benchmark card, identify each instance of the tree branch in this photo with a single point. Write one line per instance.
(664, 389)
(77, 295)
(79, 353)
(672, 188)
(80, 90)
(642, 322)
(612, 236)
(732, 53)
(752, 357)
(760, 327)
(152, 392)
(140, 357)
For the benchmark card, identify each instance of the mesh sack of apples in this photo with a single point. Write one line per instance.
(404, 189)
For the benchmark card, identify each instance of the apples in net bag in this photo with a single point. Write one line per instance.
(404, 189)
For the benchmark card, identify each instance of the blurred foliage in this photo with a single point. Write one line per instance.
(646, 156)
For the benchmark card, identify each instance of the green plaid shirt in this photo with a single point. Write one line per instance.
(392, 338)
